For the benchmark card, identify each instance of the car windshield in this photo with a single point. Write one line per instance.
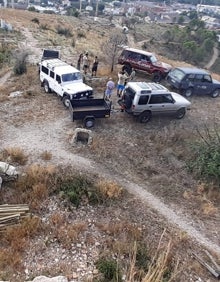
(71, 77)
(177, 74)
(153, 59)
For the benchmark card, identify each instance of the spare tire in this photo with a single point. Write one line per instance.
(127, 102)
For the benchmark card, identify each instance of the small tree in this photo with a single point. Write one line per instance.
(112, 46)
(20, 66)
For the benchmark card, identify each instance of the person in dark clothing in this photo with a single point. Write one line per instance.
(95, 66)
(79, 61)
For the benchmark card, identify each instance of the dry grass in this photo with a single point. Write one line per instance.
(15, 240)
(123, 228)
(66, 233)
(14, 155)
(34, 185)
(109, 189)
(46, 156)
(158, 268)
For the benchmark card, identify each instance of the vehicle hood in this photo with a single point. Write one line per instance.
(162, 65)
(76, 87)
(180, 100)
(216, 81)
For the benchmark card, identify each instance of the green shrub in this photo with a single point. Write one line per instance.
(109, 268)
(33, 9)
(205, 158)
(64, 31)
(20, 66)
(79, 188)
(81, 33)
(35, 20)
(142, 257)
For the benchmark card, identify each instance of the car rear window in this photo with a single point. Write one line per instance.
(177, 74)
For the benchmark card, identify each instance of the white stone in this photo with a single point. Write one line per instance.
(47, 279)
(15, 94)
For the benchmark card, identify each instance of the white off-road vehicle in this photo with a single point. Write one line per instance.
(63, 79)
(142, 99)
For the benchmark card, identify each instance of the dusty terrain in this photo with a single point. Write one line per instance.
(147, 160)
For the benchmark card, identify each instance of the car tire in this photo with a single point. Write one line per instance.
(66, 101)
(188, 92)
(157, 76)
(46, 87)
(89, 122)
(215, 93)
(180, 113)
(144, 117)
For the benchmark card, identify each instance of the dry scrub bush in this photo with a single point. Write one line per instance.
(125, 229)
(34, 186)
(36, 174)
(69, 233)
(10, 260)
(46, 156)
(109, 189)
(159, 268)
(15, 239)
(14, 155)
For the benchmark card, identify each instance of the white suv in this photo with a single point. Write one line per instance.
(144, 99)
(63, 79)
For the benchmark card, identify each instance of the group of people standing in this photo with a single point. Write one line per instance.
(85, 62)
(123, 78)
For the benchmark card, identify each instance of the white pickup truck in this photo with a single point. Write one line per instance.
(62, 78)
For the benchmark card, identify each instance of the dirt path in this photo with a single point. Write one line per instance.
(37, 138)
(214, 58)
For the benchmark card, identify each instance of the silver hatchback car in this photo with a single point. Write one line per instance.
(144, 99)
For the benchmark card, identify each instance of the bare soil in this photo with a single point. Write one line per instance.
(149, 161)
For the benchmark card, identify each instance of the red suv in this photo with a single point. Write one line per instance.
(144, 61)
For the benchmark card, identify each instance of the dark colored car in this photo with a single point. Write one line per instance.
(189, 81)
(50, 54)
(143, 61)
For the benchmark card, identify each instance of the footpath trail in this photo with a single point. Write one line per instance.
(34, 139)
(213, 59)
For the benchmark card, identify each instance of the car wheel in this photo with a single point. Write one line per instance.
(215, 93)
(66, 101)
(188, 92)
(89, 122)
(157, 77)
(144, 117)
(180, 113)
(46, 87)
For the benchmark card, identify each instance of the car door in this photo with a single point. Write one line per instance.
(161, 103)
(58, 85)
(142, 103)
(145, 63)
(202, 84)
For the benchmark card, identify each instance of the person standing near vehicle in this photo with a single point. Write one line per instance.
(132, 75)
(122, 77)
(109, 89)
(95, 66)
(79, 61)
(85, 60)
